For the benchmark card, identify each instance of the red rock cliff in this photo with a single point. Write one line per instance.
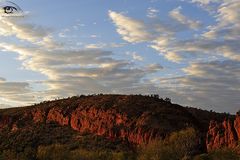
(223, 134)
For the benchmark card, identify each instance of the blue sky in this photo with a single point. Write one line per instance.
(184, 49)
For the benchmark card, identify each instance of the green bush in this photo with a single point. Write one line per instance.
(179, 145)
(156, 150)
(184, 142)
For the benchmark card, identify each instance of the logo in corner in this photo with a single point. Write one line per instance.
(10, 9)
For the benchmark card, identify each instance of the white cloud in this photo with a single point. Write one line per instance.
(10, 26)
(135, 56)
(131, 30)
(173, 57)
(158, 35)
(104, 45)
(34, 34)
(221, 39)
(94, 36)
(177, 15)
(228, 20)
(205, 2)
(152, 12)
(96, 46)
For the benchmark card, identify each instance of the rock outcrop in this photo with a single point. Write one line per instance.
(223, 134)
(111, 124)
(136, 119)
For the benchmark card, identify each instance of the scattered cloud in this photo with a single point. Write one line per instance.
(135, 31)
(209, 85)
(152, 12)
(104, 45)
(33, 33)
(16, 92)
(173, 57)
(135, 56)
(131, 30)
(154, 67)
(96, 46)
(200, 80)
(218, 80)
(71, 71)
(94, 36)
(228, 20)
(178, 16)
(205, 2)
(220, 39)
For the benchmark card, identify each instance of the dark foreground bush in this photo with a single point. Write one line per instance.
(60, 152)
(221, 154)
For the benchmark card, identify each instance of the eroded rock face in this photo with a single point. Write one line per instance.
(109, 123)
(57, 115)
(38, 115)
(223, 134)
(237, 125)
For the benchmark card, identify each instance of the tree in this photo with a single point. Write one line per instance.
(168, 99)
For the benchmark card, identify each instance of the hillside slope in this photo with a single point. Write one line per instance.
(119, 121)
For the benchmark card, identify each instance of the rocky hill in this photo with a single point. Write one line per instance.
(120, 121)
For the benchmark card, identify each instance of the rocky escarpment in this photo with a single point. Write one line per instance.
(224, 134)
(137, 119)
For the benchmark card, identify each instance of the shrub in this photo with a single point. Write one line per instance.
(179, 145)
(62, 152)
(156, 150)
(221, 154)
(27, 154)
(184, 142)
(52, 152)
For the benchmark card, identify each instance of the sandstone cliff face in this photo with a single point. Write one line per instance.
(57, 115)
(224, 134)
(237, 125)
(108, 123)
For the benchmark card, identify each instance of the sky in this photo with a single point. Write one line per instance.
(188, 50)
